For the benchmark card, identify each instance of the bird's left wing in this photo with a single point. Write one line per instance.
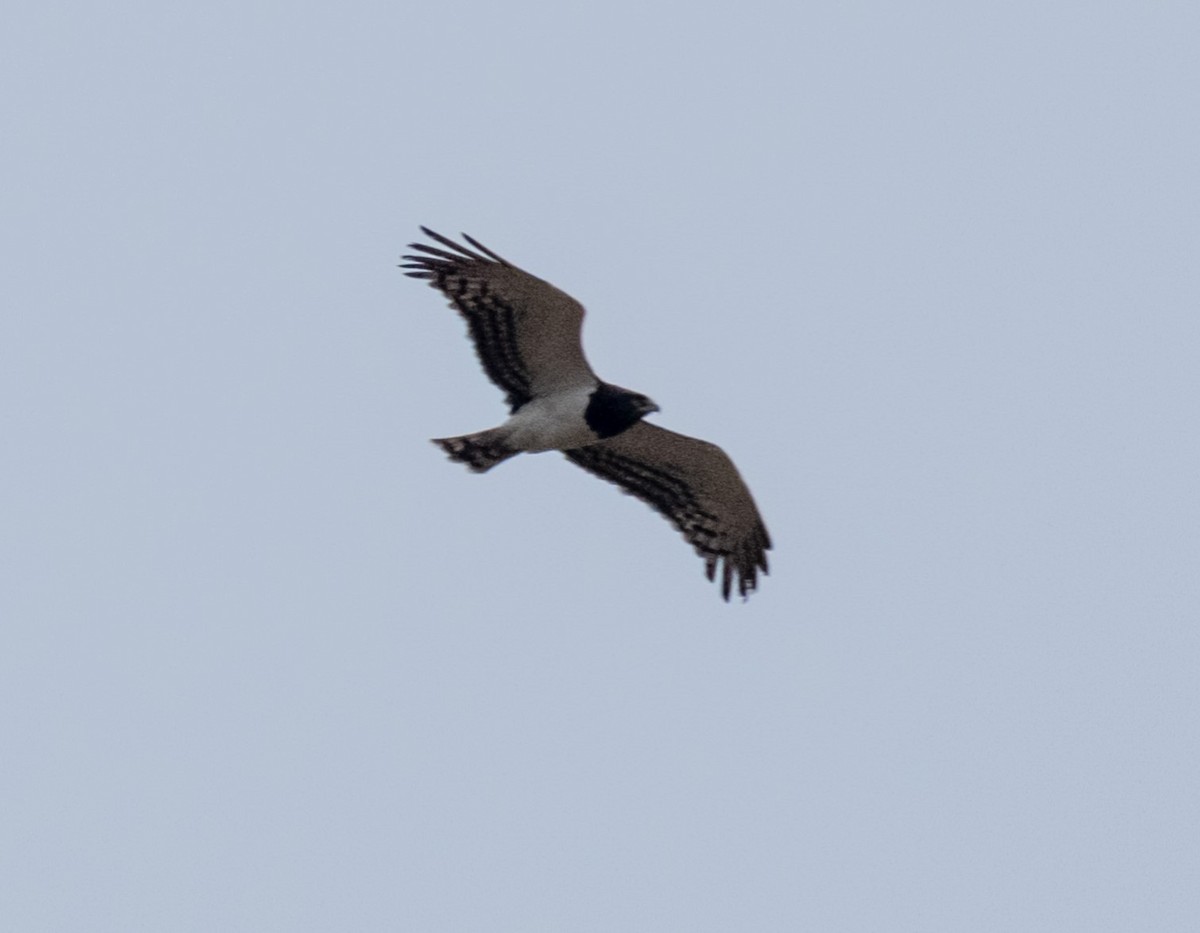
(526, 331)
(696, 486)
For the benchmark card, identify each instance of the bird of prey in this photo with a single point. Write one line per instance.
(527, 336)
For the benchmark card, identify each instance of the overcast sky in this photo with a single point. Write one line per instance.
(927, 271)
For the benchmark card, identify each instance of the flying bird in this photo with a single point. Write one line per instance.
(527, 336)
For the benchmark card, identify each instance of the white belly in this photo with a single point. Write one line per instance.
(552, 423)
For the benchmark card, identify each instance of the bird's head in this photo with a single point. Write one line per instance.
(644, 405)
(612, 409)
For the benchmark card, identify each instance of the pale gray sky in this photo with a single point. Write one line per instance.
(927, 271)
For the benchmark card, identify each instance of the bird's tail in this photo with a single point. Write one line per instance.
(480, 451)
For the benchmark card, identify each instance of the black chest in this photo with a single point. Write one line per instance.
(611, 410)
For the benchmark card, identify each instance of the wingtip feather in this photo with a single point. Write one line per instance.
(460, 251)
(483, 249)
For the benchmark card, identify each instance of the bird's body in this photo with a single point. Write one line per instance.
(527, 335)
(551, 422)
(574, 416)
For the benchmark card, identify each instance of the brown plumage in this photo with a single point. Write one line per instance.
(696, 487)
(526, 331)
(527, 336)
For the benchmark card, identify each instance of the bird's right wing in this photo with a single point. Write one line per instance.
(526, 331)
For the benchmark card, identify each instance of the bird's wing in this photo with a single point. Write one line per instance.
(696, 486)
(526, 331)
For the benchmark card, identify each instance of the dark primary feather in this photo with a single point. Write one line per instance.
(527, 336)
(526, 332)
(696, 486)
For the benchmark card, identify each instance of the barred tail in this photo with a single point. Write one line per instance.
(480, 451)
